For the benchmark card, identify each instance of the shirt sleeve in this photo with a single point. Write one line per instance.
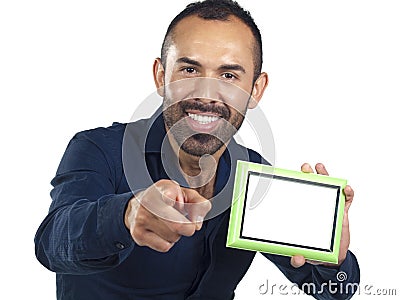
(322, 282)
(84, 231)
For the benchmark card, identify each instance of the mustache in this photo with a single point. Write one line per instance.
(221, 110)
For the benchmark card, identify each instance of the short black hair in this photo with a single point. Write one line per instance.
(217, 10)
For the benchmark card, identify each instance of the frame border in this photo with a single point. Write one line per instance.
(234, 238)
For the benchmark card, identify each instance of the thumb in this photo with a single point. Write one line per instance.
(297, 261)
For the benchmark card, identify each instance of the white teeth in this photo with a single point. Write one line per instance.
(203, 119)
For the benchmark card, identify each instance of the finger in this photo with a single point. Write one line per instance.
(313, 262)
(162, 230)
(320, 168)
(170, 231)
(197, 207)
(173, 195)
(154, 224)
(171, 192)
(175, 199)
(180, 199)
(153, 241)
(345, 224)
(306, 168)
(184, 227)
(297, 261)
(160, 201)
(349, 195)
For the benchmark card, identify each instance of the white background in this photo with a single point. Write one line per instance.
(333, 95)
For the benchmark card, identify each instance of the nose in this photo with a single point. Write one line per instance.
(207, 90)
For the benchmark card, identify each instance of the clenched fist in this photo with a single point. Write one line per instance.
(158, 216)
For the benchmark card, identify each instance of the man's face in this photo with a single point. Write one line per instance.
(203, 114)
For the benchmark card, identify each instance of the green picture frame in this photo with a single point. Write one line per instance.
(266, 221)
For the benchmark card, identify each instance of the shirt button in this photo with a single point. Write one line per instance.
(120, 245)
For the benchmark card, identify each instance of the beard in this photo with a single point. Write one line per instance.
(195, 143)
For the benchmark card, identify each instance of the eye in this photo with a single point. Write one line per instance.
(189, 70)
(228, 76)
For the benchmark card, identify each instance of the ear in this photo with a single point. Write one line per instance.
(258, 90)
(158, 75)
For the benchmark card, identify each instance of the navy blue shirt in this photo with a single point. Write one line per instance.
(84, 240)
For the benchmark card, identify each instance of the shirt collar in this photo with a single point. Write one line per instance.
(156, 132)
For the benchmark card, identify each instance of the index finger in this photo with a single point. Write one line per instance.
(160, 201)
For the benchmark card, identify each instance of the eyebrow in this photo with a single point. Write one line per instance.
(225, 67)
(232, 67)
(187, 60)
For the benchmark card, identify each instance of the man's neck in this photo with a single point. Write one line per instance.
(199, 172)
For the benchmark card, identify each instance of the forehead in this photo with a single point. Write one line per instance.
(214, 37)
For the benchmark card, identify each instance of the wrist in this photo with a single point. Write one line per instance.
(128, 211)
(131, 209)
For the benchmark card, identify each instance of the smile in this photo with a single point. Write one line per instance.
(203, 119)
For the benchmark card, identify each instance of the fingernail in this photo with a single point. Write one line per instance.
(199, 219)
